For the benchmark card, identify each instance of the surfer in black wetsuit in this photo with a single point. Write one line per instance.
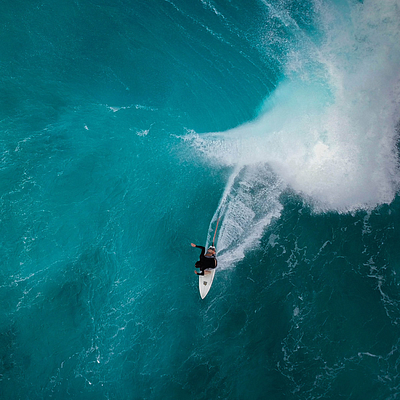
(207, 259)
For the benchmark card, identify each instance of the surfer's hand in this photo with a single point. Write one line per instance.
(192, 244)
(196, 272)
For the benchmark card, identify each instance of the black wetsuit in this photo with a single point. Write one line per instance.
(205, 262)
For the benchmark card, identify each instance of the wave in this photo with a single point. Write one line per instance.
(328, 131)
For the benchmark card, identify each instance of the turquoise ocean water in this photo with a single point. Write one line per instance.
(128, 128)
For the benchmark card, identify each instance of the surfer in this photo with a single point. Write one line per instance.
(207, 259)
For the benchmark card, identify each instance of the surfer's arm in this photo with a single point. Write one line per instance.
(203, 249)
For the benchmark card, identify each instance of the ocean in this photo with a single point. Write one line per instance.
(128, 128)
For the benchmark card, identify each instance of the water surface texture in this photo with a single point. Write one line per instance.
(128, 128)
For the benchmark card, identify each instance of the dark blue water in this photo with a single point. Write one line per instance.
(128, 128)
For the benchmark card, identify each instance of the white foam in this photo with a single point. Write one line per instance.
(333, 141)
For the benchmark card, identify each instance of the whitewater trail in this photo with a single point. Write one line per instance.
(248, 205)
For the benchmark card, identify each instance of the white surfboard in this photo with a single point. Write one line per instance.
(205, 282)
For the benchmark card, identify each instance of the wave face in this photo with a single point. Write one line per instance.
(128, 128)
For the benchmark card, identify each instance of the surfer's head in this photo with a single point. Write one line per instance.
(211, 251)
